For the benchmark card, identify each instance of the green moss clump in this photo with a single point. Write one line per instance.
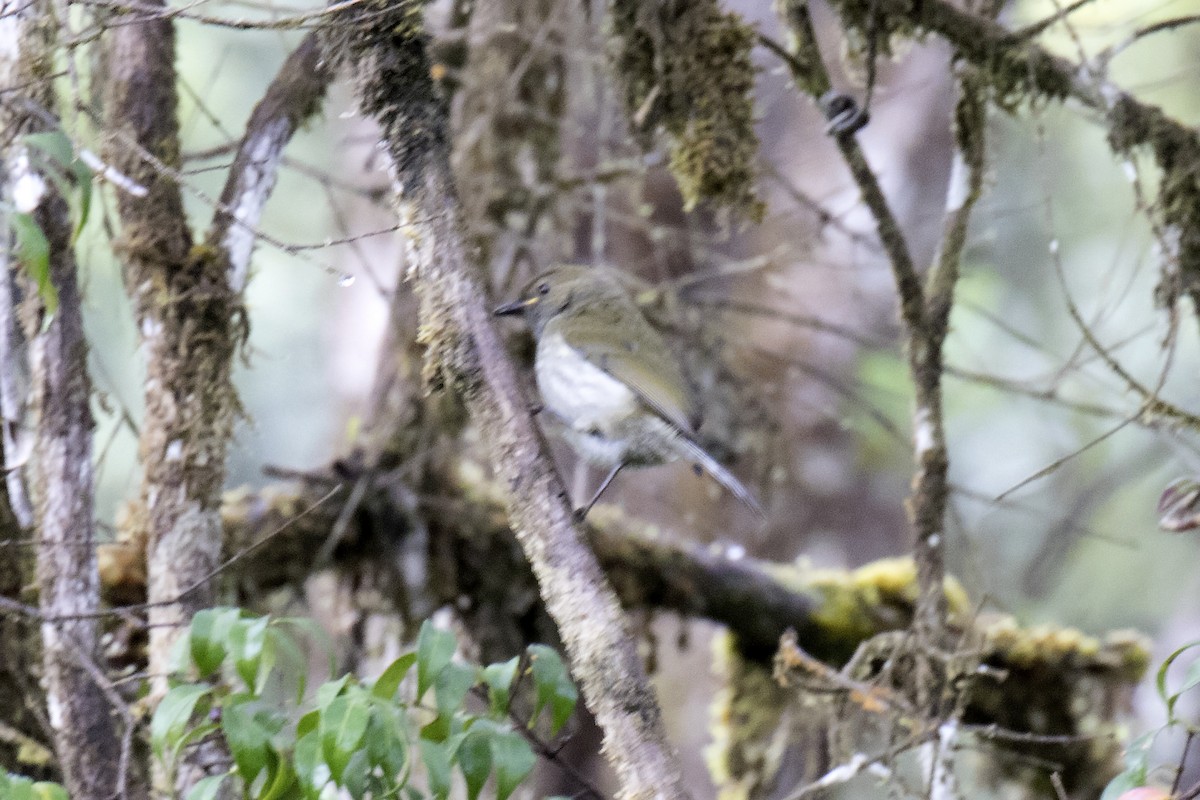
(1017, 71)
(387, 44)
(688, 73)
(748, 724)
(1177, 153)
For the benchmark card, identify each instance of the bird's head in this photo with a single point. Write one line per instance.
(564, 289)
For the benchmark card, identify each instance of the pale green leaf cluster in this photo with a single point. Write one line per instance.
(242, 678)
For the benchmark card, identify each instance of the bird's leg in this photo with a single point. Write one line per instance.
(580, 514)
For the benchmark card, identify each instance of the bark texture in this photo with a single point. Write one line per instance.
(86, 741)
(293, 96)
(189, 326)
(387, 50)
(189, 313)
(79, 709)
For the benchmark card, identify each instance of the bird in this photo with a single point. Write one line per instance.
(607, 379)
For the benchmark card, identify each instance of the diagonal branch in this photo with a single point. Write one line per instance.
(465, 355)
(293, 97)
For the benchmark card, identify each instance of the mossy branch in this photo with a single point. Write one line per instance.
(833, 611)
(1018, 71)
(387, 48)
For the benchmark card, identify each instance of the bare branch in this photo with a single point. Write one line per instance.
(924, 310)
(140, 11)
(291, 98)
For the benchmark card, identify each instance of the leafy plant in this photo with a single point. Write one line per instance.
(245, 683)
(1137, 754)
(17, 787)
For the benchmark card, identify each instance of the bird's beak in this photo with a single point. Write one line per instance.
(508, 309)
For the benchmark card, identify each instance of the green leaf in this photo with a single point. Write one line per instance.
(18, 788)
(387, 684)
(282, 784)
(54, 144)
(311, 769)
(210, 637)
(514, 761)
(451, 686)
(308, 723)
(1160, 679)
(1191, 679)
(386, 743)
(438, 730)
(435, 648)
(553, 686)
(1121, 784)
(45, 790)
(60, 151)
(354, 776)
(207, 788)
(248, 726)
(180, 657)
(281, 649)
(436, 757)
(330, 690)
(499, 679)
(171, 717)
(32, 250)
(83, 177)
(343, 726)
(475, 761)
(247, 640)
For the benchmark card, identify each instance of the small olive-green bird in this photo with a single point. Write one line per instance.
(608, 379)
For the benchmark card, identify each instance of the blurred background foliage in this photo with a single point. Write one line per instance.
(1053, 518)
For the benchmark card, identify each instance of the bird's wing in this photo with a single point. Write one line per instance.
(649, 370)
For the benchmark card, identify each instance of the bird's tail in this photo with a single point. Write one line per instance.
(698, 454)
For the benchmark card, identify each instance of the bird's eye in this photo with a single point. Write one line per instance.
(543, 288)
